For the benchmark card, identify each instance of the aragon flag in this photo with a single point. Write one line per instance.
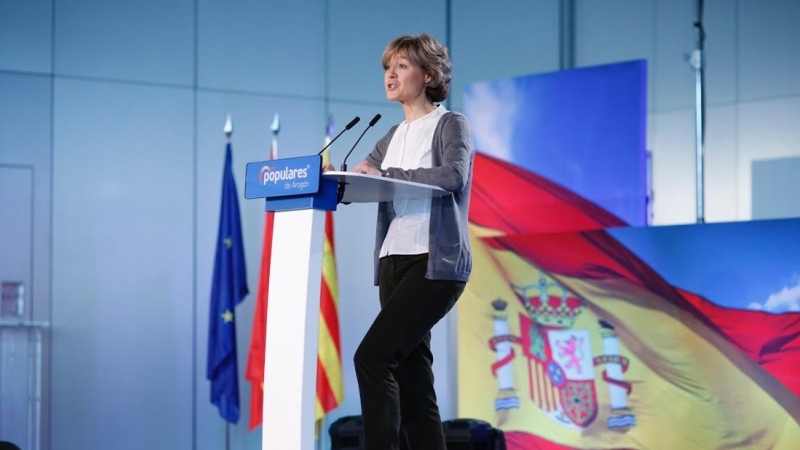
(330, 382)
(568, 340)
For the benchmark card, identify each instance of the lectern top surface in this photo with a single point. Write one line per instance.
(362, 188)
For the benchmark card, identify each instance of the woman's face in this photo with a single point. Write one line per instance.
(404, 81)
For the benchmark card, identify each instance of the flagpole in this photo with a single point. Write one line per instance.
(319, 425)
(319, 433)
(275, 128)
(228, 130)
(697, 61)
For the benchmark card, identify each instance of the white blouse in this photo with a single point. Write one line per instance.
(410, 148)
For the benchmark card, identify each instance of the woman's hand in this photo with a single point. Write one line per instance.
(328, 167)
(367, 168)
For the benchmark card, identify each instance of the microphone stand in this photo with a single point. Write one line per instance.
(343, 167)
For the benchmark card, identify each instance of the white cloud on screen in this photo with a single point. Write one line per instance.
(491, 109)
(787, 299)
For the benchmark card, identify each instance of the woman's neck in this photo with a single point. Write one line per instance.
(417, 109)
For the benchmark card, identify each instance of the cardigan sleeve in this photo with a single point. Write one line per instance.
(453, 174)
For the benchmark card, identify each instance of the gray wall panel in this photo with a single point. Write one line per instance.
(775, 193)
(16, 230)
(26, 35)
(272, 46)
(148, 40)
(673, 167)
(358, 32)
(674, 174)
(722, 54)
(122, 267)
(767, 130)
(502, 39)
(617, 30)
(25, 140)
(769, 59)
(721, 159)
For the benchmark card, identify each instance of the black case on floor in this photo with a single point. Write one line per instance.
(347, 433)
(472, 434)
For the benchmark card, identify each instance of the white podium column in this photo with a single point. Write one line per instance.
(290, 362)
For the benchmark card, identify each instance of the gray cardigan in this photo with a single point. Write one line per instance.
(452, 156)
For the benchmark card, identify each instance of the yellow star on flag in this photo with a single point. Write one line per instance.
(228, 242)
(227, 316)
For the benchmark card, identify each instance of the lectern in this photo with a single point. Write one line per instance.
(299, 194)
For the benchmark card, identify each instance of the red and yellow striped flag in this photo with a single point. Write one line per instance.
(330, 386)
(254, 373)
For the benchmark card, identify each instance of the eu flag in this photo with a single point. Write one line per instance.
(229, 288)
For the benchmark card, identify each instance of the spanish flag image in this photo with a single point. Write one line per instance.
(569, 340)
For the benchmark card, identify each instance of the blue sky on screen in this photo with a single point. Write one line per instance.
(584, 129)
(747, 265)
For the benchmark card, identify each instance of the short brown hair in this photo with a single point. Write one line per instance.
(426, 52)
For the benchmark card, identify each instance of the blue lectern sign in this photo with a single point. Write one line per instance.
(283, 177)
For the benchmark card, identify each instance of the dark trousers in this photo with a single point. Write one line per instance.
(394, 360)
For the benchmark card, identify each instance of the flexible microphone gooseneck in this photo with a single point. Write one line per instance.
(346, 127)
(371, 124)
(343, 167)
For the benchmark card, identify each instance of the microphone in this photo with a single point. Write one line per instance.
(341, 189)
(346, 127)
(371, 124)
